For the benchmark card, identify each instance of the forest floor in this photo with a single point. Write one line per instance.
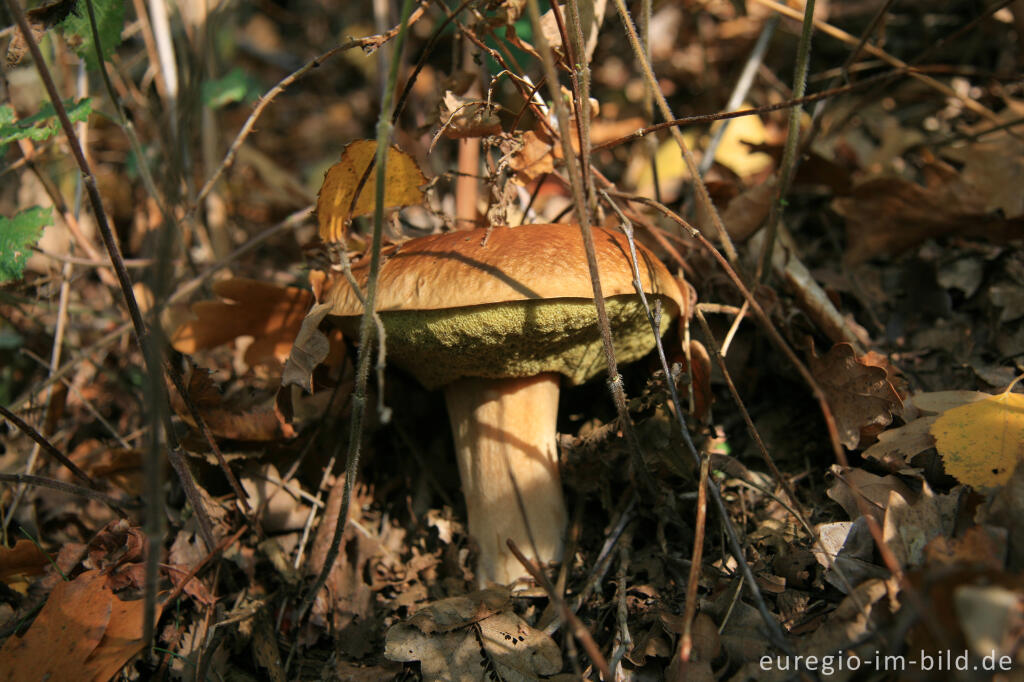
(862, 429)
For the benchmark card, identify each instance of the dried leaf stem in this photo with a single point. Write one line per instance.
(583, 215)
(732, 535)
(120, 505)
(367, 325)
(367, 43)
(701, 189)
(789, 157)
(693, 581)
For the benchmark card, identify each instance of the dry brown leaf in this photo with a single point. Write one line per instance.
(873, 489)
(467, 117)
(896, 447)
(83, 634)
(982, 442)
(532, 159)
(349, 191)
(859, 394)
(249, 416)
(473, 637)
(311, 347)
(995, 166)
(977, 546)
(22, 560)
(889, 215)
(271, 314)
(909, 526)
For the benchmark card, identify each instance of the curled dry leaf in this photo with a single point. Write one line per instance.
(467, 117)
(982, 442)
(349, 189)
(271, 314)
(860, 394)
(875, 490)
(474, 637)
(531, 159)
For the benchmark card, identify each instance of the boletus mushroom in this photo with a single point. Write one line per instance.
(495, 318)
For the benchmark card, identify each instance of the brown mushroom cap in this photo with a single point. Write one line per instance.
(521, 298)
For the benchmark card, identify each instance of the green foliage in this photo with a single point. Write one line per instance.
(237, 86)
(40, 126)
(17, 234)
(109, 24)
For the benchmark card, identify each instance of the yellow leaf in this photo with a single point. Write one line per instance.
(982, 442)
(342, 198)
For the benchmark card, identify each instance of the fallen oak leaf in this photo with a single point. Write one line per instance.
(20, 562)
(859, 394)
(83, 633)
(982, 442)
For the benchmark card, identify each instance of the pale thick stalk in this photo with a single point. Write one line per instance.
(505, 428)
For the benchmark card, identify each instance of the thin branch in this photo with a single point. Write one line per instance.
(45, 444)
(756, 111)
(369, 42)
(732, 535)
(789, 157)
(703, 197)
(367, 325)
(579, 630)
(120, 505)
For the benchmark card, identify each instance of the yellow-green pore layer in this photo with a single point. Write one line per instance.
(517, 338)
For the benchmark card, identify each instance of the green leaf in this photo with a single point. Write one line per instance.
(237, 86)
(41, 125)
(17, 235)
(109, 24)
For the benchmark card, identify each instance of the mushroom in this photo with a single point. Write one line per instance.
(494, 317)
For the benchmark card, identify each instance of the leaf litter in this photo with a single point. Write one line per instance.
(912, 241)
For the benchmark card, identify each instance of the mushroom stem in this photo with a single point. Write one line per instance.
(505, 428)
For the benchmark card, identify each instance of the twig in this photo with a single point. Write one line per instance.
(730, 530)
(625, 641)
(692, 583)
(579, 630)
(583, 216)
(45, 444)
(72, 489)
(150, 351)
(740, 90)
(756, 111)
(703, 197)
(229, 158)
(367, 325)
(845, 37)
(789, 157)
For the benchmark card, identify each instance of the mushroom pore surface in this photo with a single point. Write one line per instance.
(513, 339)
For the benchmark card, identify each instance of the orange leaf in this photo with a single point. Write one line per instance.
(982, 442)
(24, 559)
(64, 634)
(344, 194)
(270, 313)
